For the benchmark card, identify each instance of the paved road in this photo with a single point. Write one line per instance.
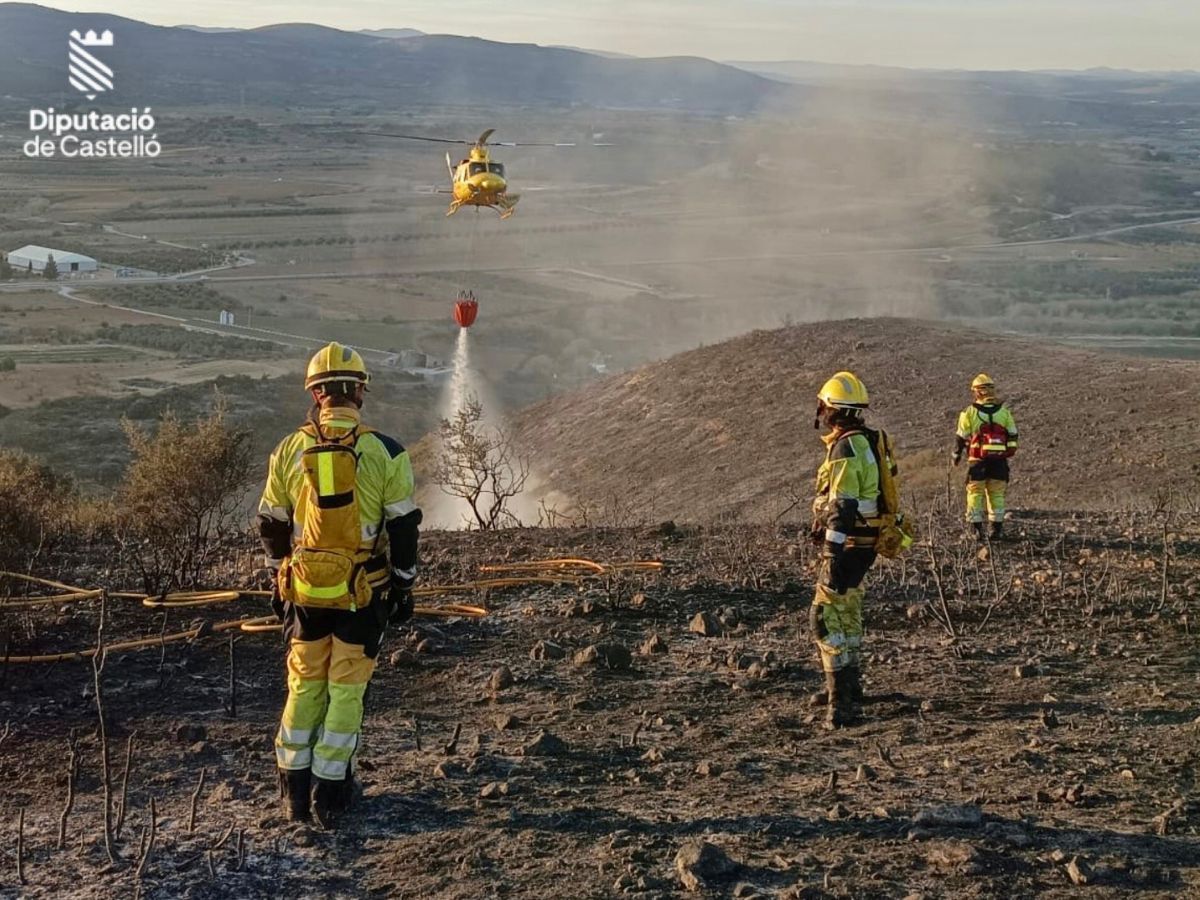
(675, 261)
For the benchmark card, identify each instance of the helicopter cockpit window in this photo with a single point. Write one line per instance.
(478, 168)
(498, 168)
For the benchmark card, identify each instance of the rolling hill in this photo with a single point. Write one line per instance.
(727, 430)
(309, 64)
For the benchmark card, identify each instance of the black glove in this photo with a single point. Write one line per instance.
(276, 600)
(956, 456)
(400, 599)
(816, 533)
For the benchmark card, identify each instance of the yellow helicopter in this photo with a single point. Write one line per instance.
(478, 180)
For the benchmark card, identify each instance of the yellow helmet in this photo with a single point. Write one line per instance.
(335, 362)
(844, 391)
(983, 384)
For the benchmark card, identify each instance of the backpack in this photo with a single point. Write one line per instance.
(991, 440)
(325, 568)
(895, 533)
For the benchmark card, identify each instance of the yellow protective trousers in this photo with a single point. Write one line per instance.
(836, 616)
(837, 624)
(989, 494)
(322, 719)
(330, 660)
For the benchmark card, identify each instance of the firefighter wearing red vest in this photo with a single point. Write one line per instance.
(846, 519)
(340, 528)
(987, 433)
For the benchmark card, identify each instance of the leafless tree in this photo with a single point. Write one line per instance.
(479, 464)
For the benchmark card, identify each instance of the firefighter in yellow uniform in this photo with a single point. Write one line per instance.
(988, 434)
(846, 524)
(339, 526)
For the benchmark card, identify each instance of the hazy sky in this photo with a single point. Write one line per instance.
(978, 34)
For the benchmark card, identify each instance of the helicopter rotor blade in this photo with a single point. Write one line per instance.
(416, 137)
(483, 138)
(449, 166)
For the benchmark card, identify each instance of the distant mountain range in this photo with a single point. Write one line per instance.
(371, 32)
(803, 71)
(299, 64)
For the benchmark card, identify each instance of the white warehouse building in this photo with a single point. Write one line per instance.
(34, 257)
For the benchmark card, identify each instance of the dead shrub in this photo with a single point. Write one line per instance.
(480, 465)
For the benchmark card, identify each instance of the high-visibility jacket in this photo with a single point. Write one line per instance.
(987, 431)
(848, 489)
(383, 487)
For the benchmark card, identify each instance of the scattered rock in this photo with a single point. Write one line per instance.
(745, 891)
(448, 770)
(666, 529)
(965, 816)
(428, 646)
(1127, 774)
(1057, 855)
(915, 610)
(706, 624)
(928, 706)
(706, 769)
(610, 656)
(757, 670)
(699, 862)
(1079, 871)
(191, 734)
(1048, 718)
(653, 755)
(838, 811)
(502, 678)
(577, 608)
(1025, 671)
(547, 650)
(955, 856)
(545, 744)
(401, 659)
(494, 790)
(508, 723)
(652, 645)
(729, 617)
(865, 773)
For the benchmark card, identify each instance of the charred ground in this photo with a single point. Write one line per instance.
(1049, 687)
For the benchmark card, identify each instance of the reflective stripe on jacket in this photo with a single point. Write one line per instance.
(972, 419)
(383, 484)
(847, 487)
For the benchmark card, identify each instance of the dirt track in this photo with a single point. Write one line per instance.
(1090, 754)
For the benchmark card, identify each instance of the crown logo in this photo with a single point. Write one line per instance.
(91, 39)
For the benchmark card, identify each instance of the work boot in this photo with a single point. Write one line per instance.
(980, 532)
(997, 531)
(332, 800)
(838, 713)
(295, 789)
(854, 691)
